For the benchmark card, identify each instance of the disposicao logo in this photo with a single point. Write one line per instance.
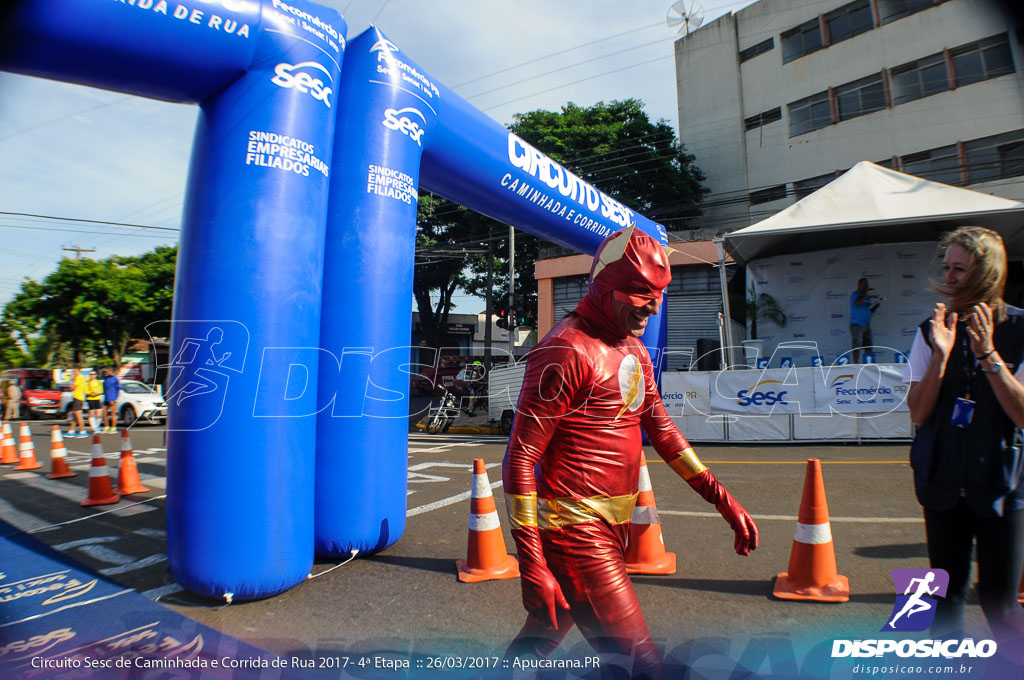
(755, 397)
(914, 610)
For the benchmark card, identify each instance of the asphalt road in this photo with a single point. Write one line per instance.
(406, 600)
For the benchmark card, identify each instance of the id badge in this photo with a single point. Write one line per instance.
(963, 412)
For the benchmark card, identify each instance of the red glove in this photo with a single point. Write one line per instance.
(541, 592)
(741, 522)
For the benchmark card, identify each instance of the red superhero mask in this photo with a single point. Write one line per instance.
(630, 267)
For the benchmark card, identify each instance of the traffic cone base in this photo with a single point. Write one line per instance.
(645, 548)
(812, 571)
(836, 591)
(486, 558)
(128, 481)
(656, 564)
(508, 568)
(58, 456)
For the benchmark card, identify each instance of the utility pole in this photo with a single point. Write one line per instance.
(487, 313)
(79, 251)
(727, 354)
(512, 291)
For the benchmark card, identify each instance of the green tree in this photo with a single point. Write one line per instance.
(763, 307)
(613, 146)
(92, 308)
(449, 241)
(618, 149)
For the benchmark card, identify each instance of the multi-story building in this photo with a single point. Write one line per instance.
(780, 97)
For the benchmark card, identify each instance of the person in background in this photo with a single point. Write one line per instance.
(111, 391)
(862, 306)
(77, 403)
(967, 401)
(94, 398)
(13, 396)
(572, 466)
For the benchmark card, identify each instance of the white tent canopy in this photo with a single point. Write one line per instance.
(870, 204)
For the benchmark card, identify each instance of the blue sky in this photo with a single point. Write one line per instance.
(69, 151)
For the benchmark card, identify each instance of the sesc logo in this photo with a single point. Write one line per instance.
(302, 81)
(755, 397)
(394, 119)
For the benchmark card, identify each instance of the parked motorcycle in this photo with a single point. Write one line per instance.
(440, 418)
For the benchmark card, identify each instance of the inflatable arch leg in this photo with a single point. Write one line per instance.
(394, 116)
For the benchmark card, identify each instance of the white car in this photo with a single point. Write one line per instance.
(136, 402)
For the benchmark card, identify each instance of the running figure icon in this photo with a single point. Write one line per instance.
(194, 360)
(916, 604)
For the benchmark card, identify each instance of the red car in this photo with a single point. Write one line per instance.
(40, 396)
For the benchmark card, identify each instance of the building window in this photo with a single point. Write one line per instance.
(849, 20)
(996, 157)
(891, 10)
(806, 187)
(982, 60)
(937, 165)
(768, 195)
(803, 39)
(861, 96)
(759, 48)
(809, 114)
(918, 79)
(887, 163)
(763, 118)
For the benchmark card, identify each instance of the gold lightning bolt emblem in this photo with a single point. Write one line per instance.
(635, 380)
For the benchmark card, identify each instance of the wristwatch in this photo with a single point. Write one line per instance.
(994, 367)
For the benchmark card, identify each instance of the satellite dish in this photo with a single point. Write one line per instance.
(685, 16)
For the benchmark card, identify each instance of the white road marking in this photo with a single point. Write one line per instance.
(794, 518)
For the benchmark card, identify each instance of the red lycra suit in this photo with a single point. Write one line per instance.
(572, 466)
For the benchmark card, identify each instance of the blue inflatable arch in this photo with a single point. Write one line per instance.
(288, 389)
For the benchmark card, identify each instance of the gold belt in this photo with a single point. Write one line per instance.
(554, 513)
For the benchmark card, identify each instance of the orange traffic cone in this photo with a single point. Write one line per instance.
(645, 551)
(1020, 592)
(100, 490)
(58, 456)
(812, 571)
(9, 455)
(486, 557)
(27, 450)
(128, 475)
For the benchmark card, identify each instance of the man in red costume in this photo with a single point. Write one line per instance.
(572, 466)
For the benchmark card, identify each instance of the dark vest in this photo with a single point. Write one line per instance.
(982, 463)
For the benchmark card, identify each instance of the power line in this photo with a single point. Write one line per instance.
(555, 54)
(86, 221)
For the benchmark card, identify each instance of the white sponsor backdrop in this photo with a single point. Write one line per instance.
(832, 402)
(814, 289)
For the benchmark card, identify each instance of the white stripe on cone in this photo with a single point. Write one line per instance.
(484, 522)
(645, 515)
(60, 451)
(645, 480)
(126, 442)
(99, 471)
(813, 534)
(481, 487)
